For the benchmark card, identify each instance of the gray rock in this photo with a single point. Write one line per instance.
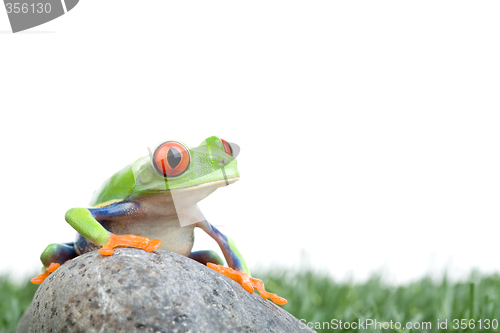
(137, 291)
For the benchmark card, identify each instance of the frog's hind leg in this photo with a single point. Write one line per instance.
(54, 256)
(237, 270)
(204, 257)
(58, 253)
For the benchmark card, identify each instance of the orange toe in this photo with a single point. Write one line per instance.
(247, 282)
(41, 277)
(152, 245)
(129, 241)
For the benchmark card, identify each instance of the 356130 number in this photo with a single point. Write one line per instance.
(35, 8)
(471, 324)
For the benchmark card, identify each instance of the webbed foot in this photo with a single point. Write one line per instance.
(41, 277)
(139, 242)
(247, 282)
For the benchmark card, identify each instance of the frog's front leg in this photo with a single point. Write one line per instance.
(84, 221)
(237, 270)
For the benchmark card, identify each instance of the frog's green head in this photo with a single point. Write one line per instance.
(172, 166)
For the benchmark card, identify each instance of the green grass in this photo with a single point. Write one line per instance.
(14, 299)
(317, 298)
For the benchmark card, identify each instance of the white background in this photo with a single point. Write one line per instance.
(369, 129)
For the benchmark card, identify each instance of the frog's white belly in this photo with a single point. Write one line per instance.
(173, 238)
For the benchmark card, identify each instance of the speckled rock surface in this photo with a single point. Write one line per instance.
(137, 291)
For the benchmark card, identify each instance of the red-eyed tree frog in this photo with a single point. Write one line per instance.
(153, 204)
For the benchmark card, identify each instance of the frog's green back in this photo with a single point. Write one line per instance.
(116, 188)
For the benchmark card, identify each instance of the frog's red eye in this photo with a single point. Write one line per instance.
(171, 158)
(231, 149)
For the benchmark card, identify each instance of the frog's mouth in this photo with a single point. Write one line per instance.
(185, 196)
(215, 183)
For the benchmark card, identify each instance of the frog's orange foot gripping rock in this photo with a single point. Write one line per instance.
(247, 282)
(41, 277)
(139, 242)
